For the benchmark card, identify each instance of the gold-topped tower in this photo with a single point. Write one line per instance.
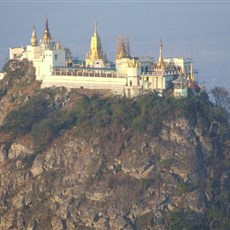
(46, 36)
(33, 39)
(95, 52)
(122, 48)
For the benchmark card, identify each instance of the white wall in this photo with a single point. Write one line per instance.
(49, 59)
(33, 52)
(116, 85)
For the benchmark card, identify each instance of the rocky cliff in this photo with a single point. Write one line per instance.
(82, 159)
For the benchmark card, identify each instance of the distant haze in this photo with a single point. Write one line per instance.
(199, 30)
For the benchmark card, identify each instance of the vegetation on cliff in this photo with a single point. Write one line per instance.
(94, 161)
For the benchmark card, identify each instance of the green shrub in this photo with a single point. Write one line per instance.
(185, 219)
(49, 128)
(22, 120)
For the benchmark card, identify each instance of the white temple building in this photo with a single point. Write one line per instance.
(130, 76)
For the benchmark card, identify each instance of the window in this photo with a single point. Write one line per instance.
(55, 57)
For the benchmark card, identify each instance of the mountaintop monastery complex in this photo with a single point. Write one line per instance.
(128, 76)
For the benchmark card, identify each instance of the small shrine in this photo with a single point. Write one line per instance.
(181, 86)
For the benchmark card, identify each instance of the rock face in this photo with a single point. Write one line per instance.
(81, 184)
(129, 181)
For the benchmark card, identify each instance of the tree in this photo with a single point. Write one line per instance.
(221, 97)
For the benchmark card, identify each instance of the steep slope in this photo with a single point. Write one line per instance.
(82, 159)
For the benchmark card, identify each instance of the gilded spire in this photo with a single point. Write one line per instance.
(46, 36)
(95, 51)
(161, 54)
(122, 48)
(160, 63)
(95, 28)
(33, 39)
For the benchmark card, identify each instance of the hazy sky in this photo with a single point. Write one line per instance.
(196, 29)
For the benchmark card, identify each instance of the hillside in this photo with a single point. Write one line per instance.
(85, 159)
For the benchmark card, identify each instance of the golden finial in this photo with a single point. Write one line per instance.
(95, 28)
(33, 39)
(58, 46)
(160, 64)
(47, 27)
